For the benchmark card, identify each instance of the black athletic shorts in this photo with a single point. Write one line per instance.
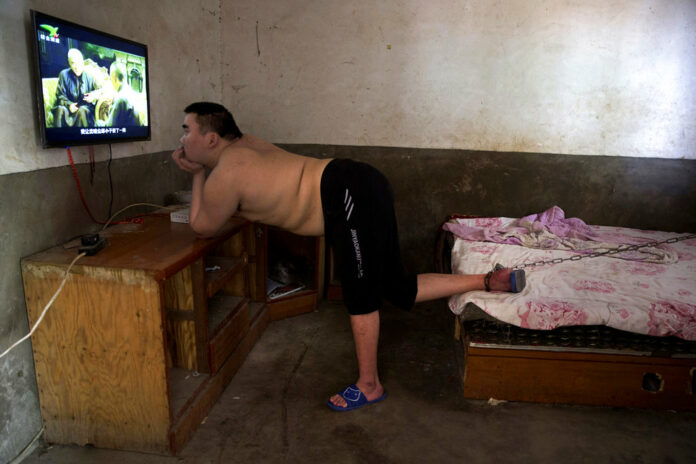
(360, 225)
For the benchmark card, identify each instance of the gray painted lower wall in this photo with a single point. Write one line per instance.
(42, 209)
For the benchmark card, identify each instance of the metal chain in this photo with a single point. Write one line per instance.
(604, 253)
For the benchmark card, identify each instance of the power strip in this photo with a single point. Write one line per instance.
(92, 244)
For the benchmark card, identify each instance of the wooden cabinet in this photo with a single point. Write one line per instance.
(146, 334)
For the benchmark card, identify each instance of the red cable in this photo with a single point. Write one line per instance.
(137, 219)
(79, 188)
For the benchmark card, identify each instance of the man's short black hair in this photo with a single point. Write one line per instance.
(214, 117)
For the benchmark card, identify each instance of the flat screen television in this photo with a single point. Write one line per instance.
(92, 87)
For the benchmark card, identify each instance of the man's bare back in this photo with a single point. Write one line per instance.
(276, 187)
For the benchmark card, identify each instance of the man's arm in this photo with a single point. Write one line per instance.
(213, 200)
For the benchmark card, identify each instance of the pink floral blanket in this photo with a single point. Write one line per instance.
(649, 292)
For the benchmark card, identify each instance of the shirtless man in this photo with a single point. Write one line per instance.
(347, 201)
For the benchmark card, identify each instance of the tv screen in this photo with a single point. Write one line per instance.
(92, 87)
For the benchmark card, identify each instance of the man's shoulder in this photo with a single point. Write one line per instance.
(234, 162)
(238, 153)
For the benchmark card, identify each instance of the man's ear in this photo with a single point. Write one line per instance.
(212, 139)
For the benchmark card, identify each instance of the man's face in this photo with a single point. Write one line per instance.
(193, 141)
(77, 64)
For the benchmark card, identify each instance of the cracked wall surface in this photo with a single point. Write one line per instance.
(591, 78)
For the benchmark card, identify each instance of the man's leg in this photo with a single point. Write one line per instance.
(366, 337)
(82, 117)
(59, 116)
(430, 286)
(433, 286)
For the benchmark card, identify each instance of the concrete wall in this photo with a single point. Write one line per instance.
(576, 78)
(594, 77)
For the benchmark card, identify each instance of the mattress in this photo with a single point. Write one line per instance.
(577, 274)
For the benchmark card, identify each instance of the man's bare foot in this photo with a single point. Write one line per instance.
(371, 393)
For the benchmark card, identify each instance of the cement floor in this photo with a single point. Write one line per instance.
(274, 409)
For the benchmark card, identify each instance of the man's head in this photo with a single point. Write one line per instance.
(213, 117)
(117, 74)
(75, 61)
(205, 126)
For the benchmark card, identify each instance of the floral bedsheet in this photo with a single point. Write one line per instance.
(640, 294)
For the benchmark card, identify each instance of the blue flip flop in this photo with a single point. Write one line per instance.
(355, 399)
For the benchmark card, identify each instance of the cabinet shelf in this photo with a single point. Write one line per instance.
(221, 308)
(298, 294)
(184, 386)
(290, 257)
(228, 319)
(219, 270)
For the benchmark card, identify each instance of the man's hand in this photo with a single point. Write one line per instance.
(91, 96)
(179, 157)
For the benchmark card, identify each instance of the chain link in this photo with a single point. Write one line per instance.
(603, 253)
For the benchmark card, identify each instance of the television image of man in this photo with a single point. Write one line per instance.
(122, 112)
(74, 103)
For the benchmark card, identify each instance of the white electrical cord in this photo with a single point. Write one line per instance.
(48, 305)
(108, 222)
(27, 449)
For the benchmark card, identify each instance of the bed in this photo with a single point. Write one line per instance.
(608, 316)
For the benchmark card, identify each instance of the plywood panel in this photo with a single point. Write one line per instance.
(178, 295)
(99, 357)
(200, 309)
